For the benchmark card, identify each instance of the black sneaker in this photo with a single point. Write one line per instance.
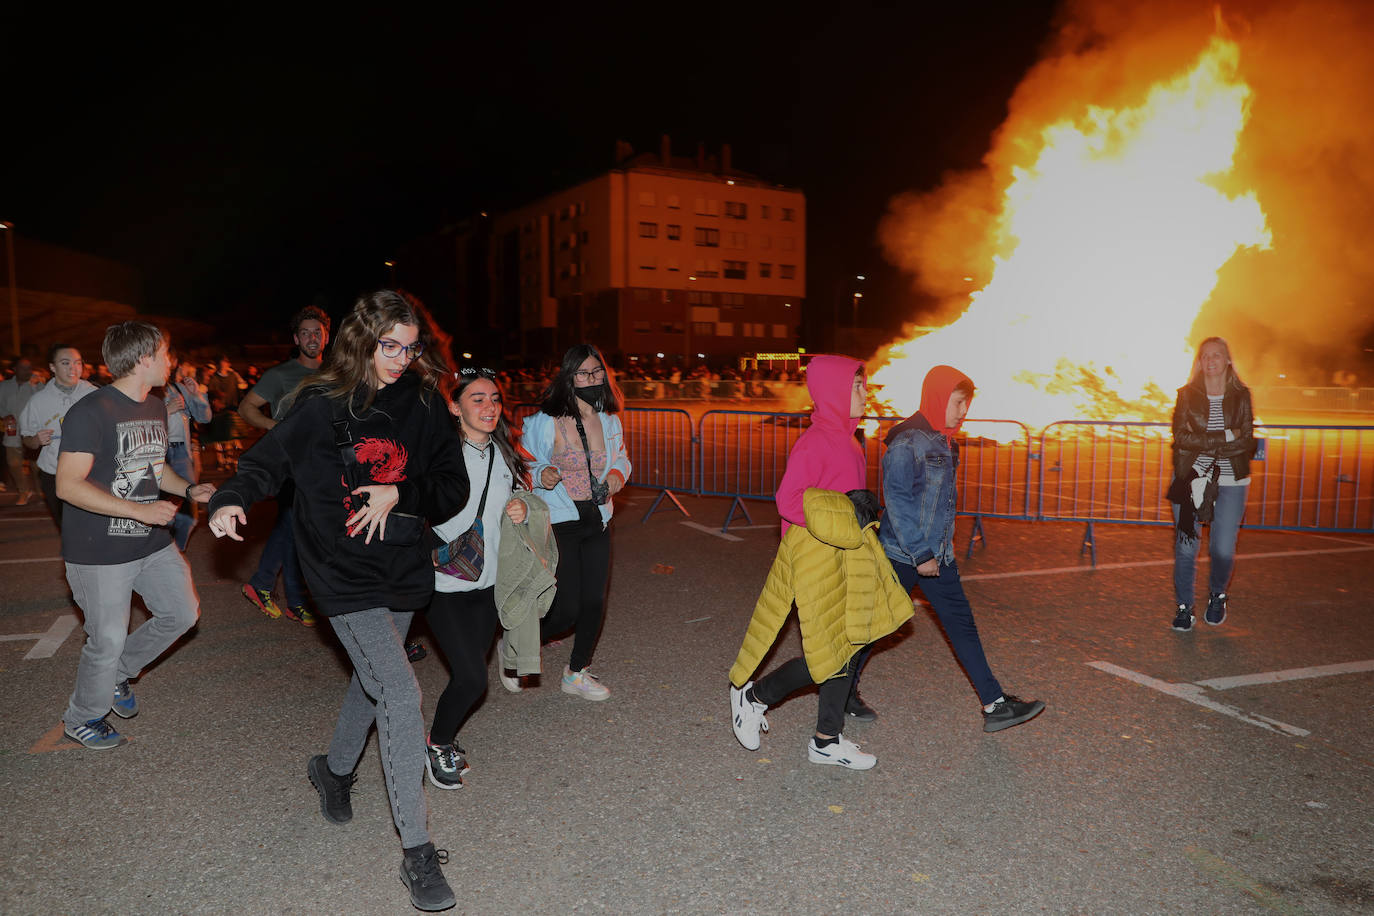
(335, 802)
(445, 765)
(421, 875)
(1183, 620)
(1010, 711)
(1216, 609)
(858, 710)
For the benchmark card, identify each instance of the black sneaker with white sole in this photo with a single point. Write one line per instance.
(445, 765)
(1183, 620)
(1216, 609)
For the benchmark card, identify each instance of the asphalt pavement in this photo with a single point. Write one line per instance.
(1224, 771)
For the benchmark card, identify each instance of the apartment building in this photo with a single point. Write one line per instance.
(681, 256)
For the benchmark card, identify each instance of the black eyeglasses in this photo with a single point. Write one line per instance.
(590, 375)
(468, 371)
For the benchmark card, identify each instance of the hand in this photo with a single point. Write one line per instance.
(516, 510)
(549, 477)
(156, 514)
(226, 520)
(44, 436)
(614, 482)
(174, 401)
(929, 568)
(201, 492)
(381, 498)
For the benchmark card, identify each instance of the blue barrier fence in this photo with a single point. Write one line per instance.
(1306, 478)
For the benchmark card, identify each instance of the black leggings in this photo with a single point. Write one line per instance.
(792, 676)
(584, 564)
(463, 623)
(48, 484)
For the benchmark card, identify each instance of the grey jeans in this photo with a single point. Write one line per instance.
(111, 653)
(383, 692)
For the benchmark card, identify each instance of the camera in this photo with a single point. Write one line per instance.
(601, 492)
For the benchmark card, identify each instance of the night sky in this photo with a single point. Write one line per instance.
(247, 167)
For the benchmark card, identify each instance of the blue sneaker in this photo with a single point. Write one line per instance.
(125, 703)
(97, 734)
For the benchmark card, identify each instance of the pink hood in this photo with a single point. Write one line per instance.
(827, 454)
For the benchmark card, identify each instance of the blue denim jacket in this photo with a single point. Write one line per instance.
(918, 487)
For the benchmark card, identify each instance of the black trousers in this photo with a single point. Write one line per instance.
(48, 484)
(792, 676)
(584, 565)
(463, 623)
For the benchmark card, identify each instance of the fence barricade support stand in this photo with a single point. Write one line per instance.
(659, 498)
(976, 535)
(1089, 543)
(737, 503)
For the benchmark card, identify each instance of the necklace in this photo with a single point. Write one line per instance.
(481, 449)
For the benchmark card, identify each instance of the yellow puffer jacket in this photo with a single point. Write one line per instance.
(846, 593)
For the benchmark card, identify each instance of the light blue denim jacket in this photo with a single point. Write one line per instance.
(538, 440)
(919, 490)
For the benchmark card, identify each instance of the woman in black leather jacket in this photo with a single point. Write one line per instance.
(1214, 438)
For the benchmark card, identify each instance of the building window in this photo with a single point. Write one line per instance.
(641, 295)
(735, 209)
(648, 230)
(732, 299)
(764, 211)
(706, 238)
(779, 330)
(583, 236)
(674, 202)
(671, 327)
(647, 199)
(671, 264)
(674, 231)
(788, 214)
(765, 270)
(698, 297)
(642, 327)
(648, 262)
(736, 240)
(736, 270)
(788, 243)
(703, 329)
(787, 271)
(725, 329)
(709, 270)
(707, 207)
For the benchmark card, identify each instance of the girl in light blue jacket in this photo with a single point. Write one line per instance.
(579, 463)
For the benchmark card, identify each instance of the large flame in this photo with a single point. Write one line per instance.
(1111, 242)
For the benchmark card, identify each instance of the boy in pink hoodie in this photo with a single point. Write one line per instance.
(827, 456)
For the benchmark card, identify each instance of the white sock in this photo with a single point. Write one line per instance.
(993, 705)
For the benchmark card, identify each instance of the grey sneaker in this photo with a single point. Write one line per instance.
(125, 703)
(97, 734)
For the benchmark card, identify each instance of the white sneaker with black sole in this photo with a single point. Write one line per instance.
(746, 717)
(843, 753)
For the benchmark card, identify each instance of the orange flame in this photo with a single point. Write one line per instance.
(1111, 243)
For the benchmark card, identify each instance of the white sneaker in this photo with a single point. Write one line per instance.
(747, 718)
(843, 753)
(511, 683)
(584, 684)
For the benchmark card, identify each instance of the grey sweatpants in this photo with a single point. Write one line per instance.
(111, 653)
(383, 692)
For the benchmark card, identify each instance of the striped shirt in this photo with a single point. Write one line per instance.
(1216, 422)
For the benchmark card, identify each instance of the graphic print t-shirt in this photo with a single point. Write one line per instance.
(128, 442)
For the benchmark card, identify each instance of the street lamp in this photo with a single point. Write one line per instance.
(391, 266)
(8, 228)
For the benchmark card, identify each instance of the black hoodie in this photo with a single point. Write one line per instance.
(399, 440)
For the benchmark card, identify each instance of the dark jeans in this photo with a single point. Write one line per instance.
(179, 460)
(945, 593)
(48, 484)
(584, 564)
(463, 623)
(279, 555)
(792, 676)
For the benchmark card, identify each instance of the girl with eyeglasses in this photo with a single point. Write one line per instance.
(579, 463)
(371, 447)
(463, 614)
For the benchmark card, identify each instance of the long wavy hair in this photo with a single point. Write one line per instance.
(349, 375)
(560, 400)
(506, 436)
(1231, 377)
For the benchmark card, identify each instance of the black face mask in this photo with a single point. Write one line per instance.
(593, 395)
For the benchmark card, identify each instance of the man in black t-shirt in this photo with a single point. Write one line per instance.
(116, 539)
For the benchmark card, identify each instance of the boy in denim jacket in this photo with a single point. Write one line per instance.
(917, 531)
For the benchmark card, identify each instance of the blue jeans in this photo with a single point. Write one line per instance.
(945, 593)
(111, 653)
(179, 460)
(1221, 546)
(279, 555)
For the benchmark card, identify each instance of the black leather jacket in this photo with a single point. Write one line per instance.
(1191, 437)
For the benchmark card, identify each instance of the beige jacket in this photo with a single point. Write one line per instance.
(525, 582)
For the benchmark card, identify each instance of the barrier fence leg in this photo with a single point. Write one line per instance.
(1089, 543)
(658, 499)
(976, 535)
(738, 503)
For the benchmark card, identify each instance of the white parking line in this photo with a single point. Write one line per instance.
(712, 531)
(32, 560)
(1194, 694)
(1288, 674)
(1056, 570)
(47, 643)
